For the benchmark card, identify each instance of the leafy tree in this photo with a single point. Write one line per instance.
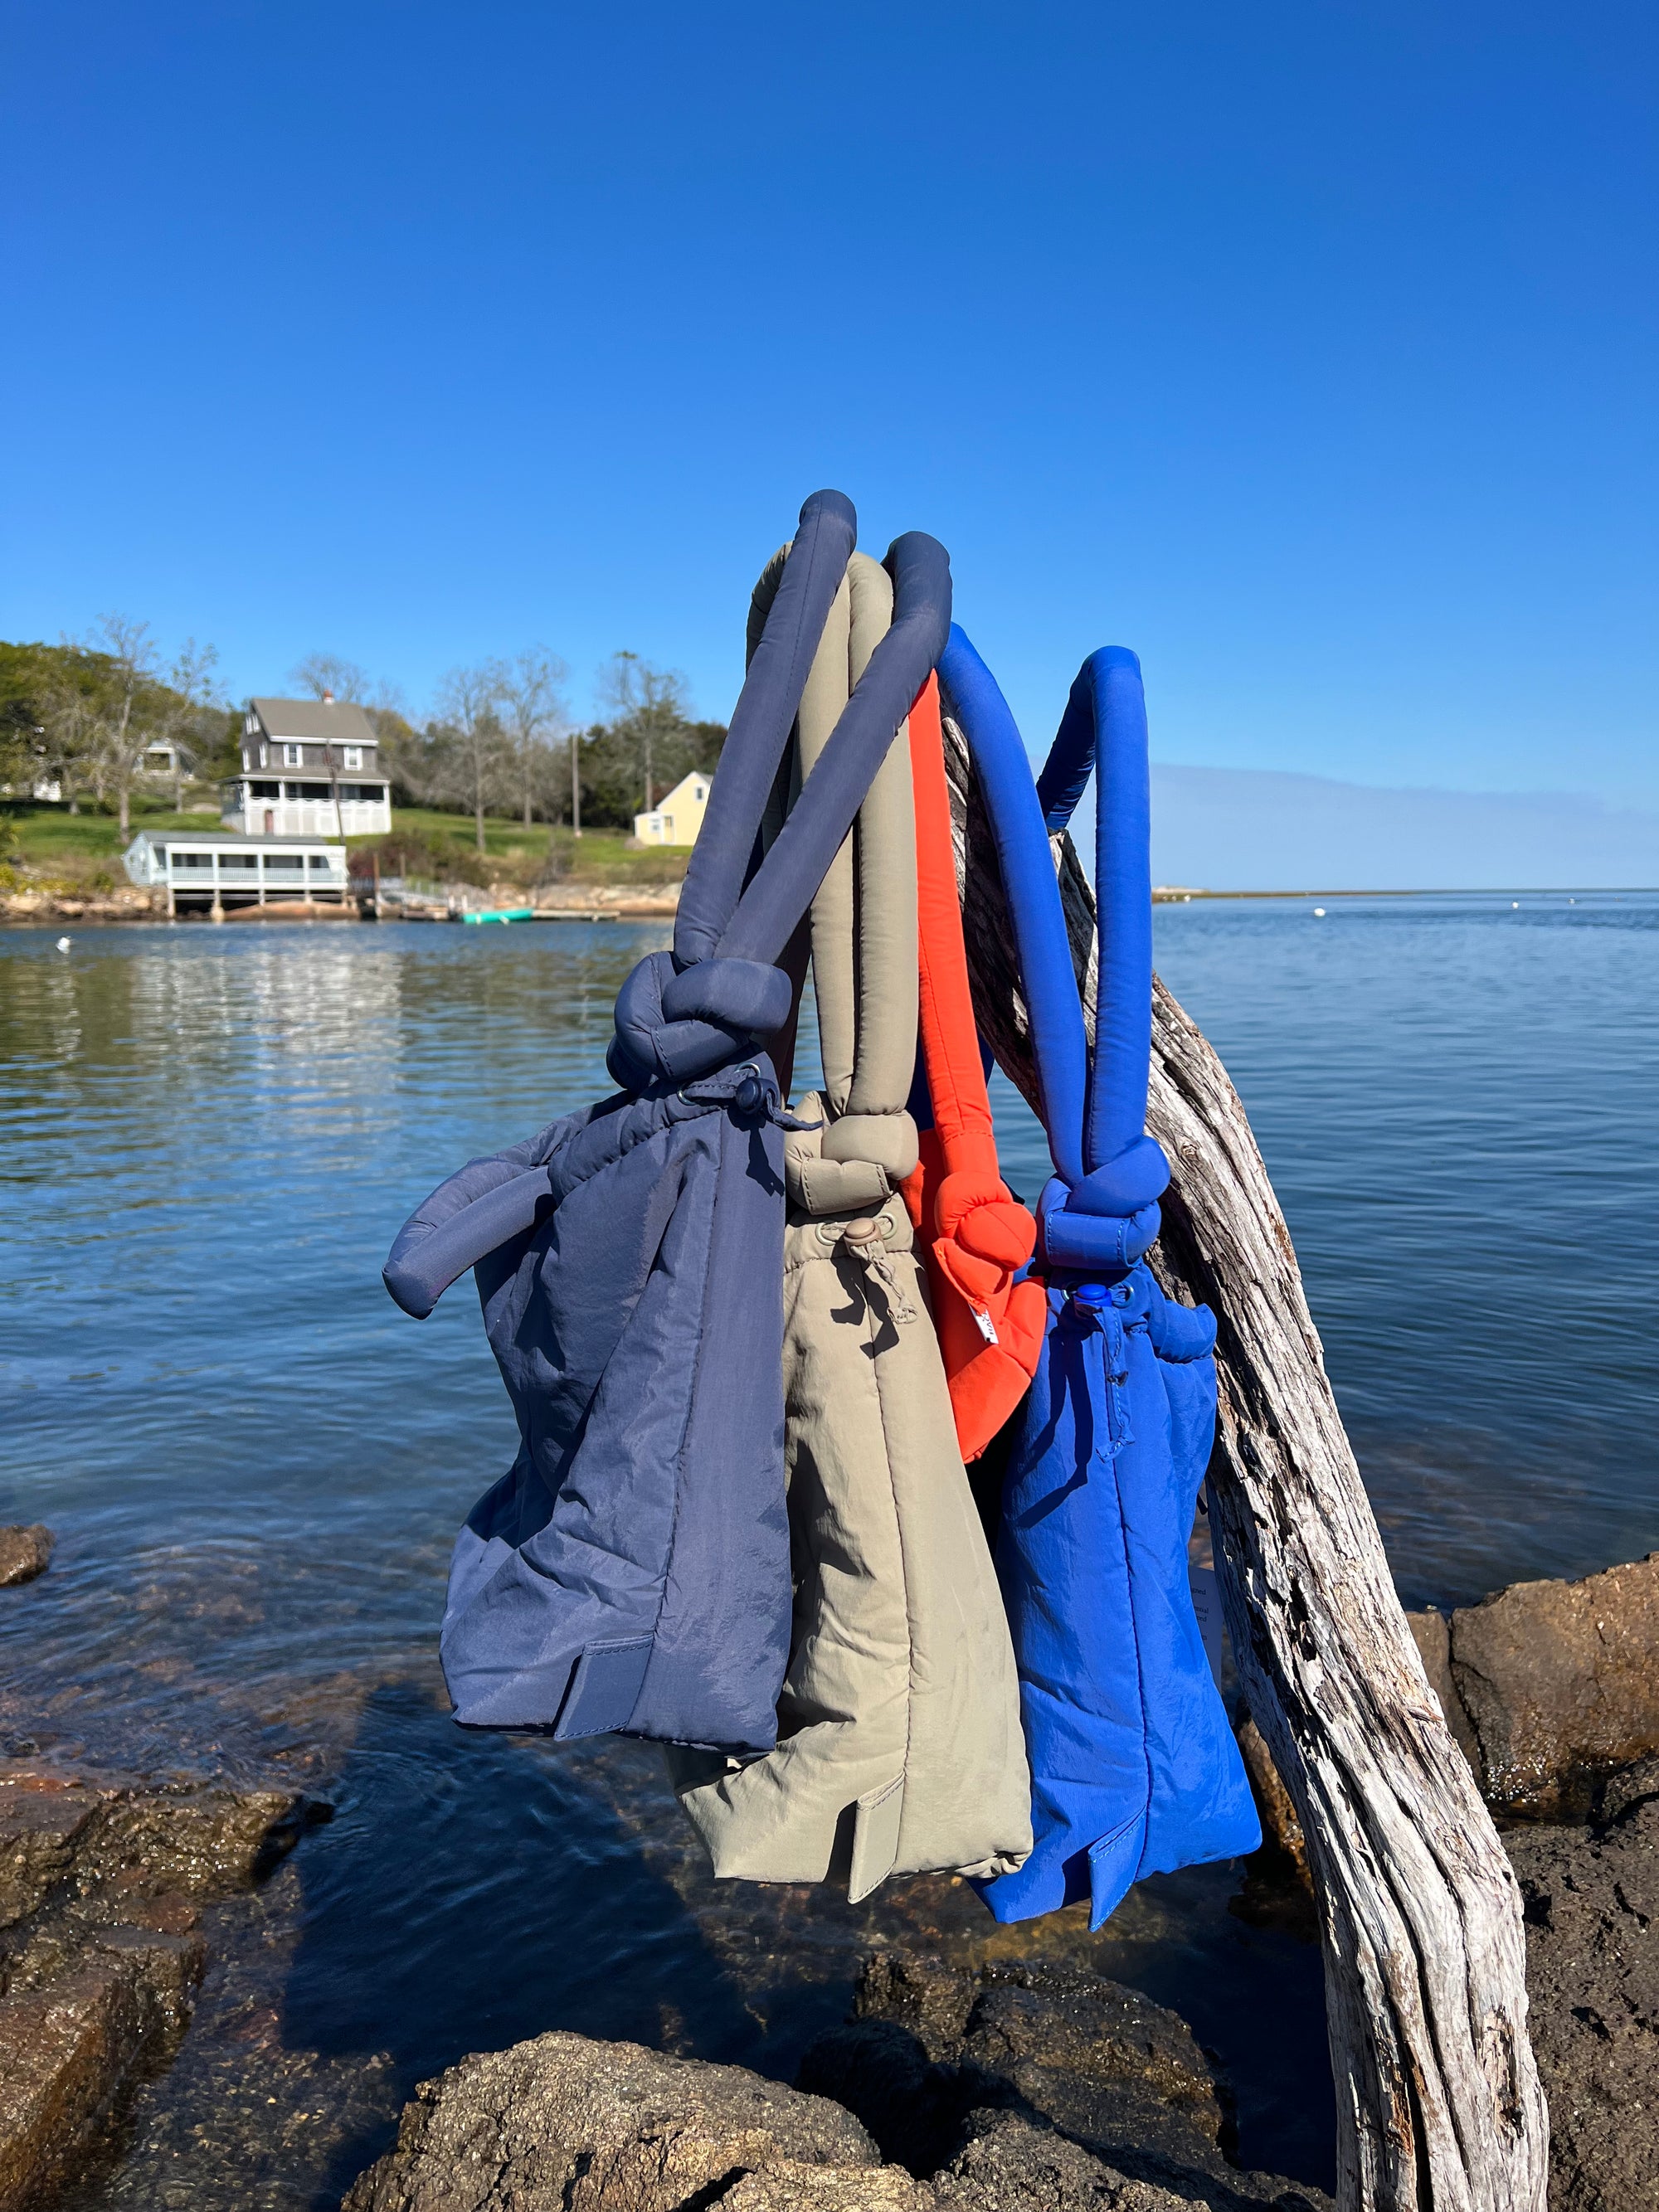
(647, 746)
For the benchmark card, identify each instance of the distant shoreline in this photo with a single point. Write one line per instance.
(1178, 895)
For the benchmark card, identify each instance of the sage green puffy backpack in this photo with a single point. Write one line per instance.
(899, 1742)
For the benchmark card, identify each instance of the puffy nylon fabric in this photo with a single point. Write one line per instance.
(631, 1570)
(899, 1742)
(1135, 1769)
(976, 1234)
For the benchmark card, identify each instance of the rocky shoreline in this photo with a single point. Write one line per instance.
(103, 1879)
(573, 902)
(1016, 2085)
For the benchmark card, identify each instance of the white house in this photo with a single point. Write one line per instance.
(200, 873)
(310, 768)
(677, 817)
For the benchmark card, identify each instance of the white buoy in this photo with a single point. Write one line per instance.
(1514, 905)
(1319, 910)
(63, 944)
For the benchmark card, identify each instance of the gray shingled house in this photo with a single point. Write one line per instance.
(310, 768)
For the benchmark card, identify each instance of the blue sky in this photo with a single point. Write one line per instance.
(1310, 350)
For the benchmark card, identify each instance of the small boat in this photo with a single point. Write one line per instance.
(503, 913)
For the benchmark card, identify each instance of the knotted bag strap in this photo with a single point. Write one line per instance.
(979, 1235)
(676, 1022)
(1099, 1215)
(864, 934)
(687, 1013)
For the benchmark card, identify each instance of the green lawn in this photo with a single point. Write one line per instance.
(78, 846)
(46, 835)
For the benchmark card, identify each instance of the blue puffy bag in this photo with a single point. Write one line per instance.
(630, 1571)
(1134, 1768)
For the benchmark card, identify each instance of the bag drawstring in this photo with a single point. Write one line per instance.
(864, 1239)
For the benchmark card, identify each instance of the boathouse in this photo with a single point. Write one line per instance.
(677, 817)
(199, 873)
(310, 768)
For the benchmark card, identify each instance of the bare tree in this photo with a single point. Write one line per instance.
(180, 719)
(71, 713)
(328, 676)
(120, 733)
(648, 707)
(533, 711)
(469, 701)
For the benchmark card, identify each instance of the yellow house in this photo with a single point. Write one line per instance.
(677, 817)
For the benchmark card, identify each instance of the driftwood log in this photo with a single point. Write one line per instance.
(1438, 2103)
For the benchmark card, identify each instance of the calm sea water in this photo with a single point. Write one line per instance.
(255, 1464)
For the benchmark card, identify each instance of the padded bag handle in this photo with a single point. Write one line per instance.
(864, 935)
(1099, 1215)
(685, 1014)
(977, 1233)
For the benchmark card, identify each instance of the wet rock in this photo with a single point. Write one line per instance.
(933, 2052)
(1432, 1633)
(1008, 2165)
(1280, 1827)
(565, 2125)
(24, 1552)
(788, 2187)
(1561, 1683)
(68, 2049)
(86, 1834)
(1591, 1901)
(101, 1879)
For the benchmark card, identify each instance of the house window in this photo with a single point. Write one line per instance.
(320, 861)
(294, 756)
(362, 794)
(701, 794)
(265, 790)
(264, 756)
(305, 790)
(354, 755)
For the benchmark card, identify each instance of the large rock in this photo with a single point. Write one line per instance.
(1010, 2165)
(101, 1881)
(990, 2092)
(932, 2053)
(69, 2048)
(24, 1552)
(95, 1839)
(1592, 1912)
(565, 2125)
(1561, 1683)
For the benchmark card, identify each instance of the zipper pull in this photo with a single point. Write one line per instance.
(988, 1327)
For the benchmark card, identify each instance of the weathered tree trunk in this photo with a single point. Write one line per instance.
(1438, 2103)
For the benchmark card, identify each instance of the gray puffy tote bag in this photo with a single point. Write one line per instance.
(630, 1571)
(899, 1746)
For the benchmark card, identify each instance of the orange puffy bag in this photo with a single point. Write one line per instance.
(974, 1232)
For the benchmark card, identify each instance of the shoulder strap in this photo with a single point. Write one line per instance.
(950, 1035)
(1104, 728)
(1100, 1214)
(864, 933)
(783, 884)
(1105, 731)
(1058, 1040)
(807, 581)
